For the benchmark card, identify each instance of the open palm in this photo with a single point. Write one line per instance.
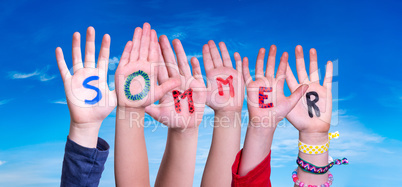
(136, 74)
(88, 96)
(189, 112)
(299, 116)
(218, 68)
(266, 101)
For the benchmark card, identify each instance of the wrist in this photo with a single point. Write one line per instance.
(185, 132)
(227, 119)
(260, 134)
(313, 138)
(261, 128)
(227, 113)
(85, 134)
(130, 109)
(133, 116)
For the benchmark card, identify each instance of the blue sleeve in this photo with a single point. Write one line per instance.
(83, 166)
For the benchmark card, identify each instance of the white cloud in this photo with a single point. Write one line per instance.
(2, 162)
(3, 102)
(16, 75)
(178, 35)
(351, 96)
(196, 55)
(111, 85)
(113, 63)
(45, 77)
(197, 24)
(61, 101)
(41, 75)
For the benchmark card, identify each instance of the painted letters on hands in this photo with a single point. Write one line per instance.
(311, 104)
(262, 97)
(143, 93)
(229, 81)
(177, 96)
(98, 92)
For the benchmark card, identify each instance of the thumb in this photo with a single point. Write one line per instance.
(167, 86)
(297, 94)
(152, 110)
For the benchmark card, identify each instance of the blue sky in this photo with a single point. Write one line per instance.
(363, 38)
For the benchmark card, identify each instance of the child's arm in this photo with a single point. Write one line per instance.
(90, 101)
(182, 111)
(136, 88)
(225, 96)
(267, 106)
(313, 125)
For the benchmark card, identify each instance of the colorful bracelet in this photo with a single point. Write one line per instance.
(313, 149)
(310, 168)
(334, 135)
(301, 184)
(317, 149)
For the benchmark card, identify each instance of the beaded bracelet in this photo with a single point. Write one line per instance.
(317, 149)
(310, 168)
(301, 184)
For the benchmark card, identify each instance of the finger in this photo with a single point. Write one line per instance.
(181, 58)
(196, 68)
(281, 74)
(206, 56)
(246, 71)
(167, 86)
(163, 75)
(136, 44)
(126, 54)
(328, 75)
(270, 70)
(290, 79)
(153, 110)
(168, 56)
(61, 63)
(259, 66)
(89, 61)
(154, 48)
(300, 65)
(103, 59)
(76, 51)
(237, 58)
(225, 55)
(216, 57)
(145, 40)
(295, 97)
(313, 66)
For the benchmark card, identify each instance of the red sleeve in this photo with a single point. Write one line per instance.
(258, 177)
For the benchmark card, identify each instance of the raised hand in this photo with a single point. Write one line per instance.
(267, 106)
(225, 96)
(184, 106)
(137, 88)
(136, 84)
(312, 114)
(88, 96)
(266, 101)
(224, 83)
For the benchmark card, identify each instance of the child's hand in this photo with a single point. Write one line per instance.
(183, 107)
(224, 83)
(318, 119)
(266, 101)
(135, 78)
(88, 96)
